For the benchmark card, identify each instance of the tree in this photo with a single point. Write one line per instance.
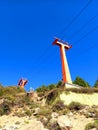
(96, 84)
(79, 81)
(59, 84)
(43, 88)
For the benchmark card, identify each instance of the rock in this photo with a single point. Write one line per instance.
(36, 111)
(70, 114)
(37, 125)
(54, 115)
(93, 129)
(1, 101)
(64, 121)
(44, 120)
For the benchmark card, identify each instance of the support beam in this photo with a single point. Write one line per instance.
(65, 69)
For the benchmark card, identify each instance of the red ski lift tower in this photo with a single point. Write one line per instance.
(22, 82)
(66, 78)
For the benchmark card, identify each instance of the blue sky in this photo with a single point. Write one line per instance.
(27, 30)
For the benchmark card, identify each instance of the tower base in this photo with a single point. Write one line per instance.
(69, 85)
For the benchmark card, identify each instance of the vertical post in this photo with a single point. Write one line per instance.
(65, 69)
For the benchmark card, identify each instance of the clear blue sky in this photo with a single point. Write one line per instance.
(27, 28)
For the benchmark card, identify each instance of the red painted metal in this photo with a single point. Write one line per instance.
(63, 45)
(22, 82)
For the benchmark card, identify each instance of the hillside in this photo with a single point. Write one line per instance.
(85, 99)
(54, 108)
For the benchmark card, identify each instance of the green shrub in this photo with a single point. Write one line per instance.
(75, 106)
(96, 84)
(83, 90)
(53, 126)
(1, 90)
(59, 84)
(5, 109)
(43, 88)
(92, 125)
(28, 112)
(89, 126)
(51, 86)
(79, 81)
(17, 122)
(59, 105)
(51, 97)
(1, 111)
(26, 122)
(10, 90)
(45, 111)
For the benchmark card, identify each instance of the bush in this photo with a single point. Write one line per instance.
(83, 90)
(92, 125)
(5, 109)
(45, 111)
(53, 126)
(96, 84)
(51, 97)
(28, 113)
(51, 86)
(79, 81)
(75, 106)
(43, 88)
(59, 84)
(59, 105)
(10, 90)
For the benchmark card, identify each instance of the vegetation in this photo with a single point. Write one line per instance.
(92, 125)
(79, 81)
(96, 84)
(45, 88)
(75, 106)
(59, 105)
(83, 90)
(53, 126)
(8, 96)
(10, 90)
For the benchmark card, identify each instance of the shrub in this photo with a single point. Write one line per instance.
(53, 126)
(51, 97)
(83, 90)
(51, 86)
(59, 105)
(45, 111)
(79, 81)
(59, 84)
(4, 109)
(10, 90)
(96, 84)
(75, 106)
(28, 113)
(43, 88)
(26, 121)
(92, 125)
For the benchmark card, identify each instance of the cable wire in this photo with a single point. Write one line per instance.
(76, 17)
(94, 29)
(84, 25)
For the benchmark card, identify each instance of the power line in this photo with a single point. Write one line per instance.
(94, 29)
(44, 52)
(89, 48)
(84, 25)
(76, 17)
(73, 20)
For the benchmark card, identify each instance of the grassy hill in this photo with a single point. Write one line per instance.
(51, 99)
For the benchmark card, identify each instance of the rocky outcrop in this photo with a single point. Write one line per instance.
(64, 122)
